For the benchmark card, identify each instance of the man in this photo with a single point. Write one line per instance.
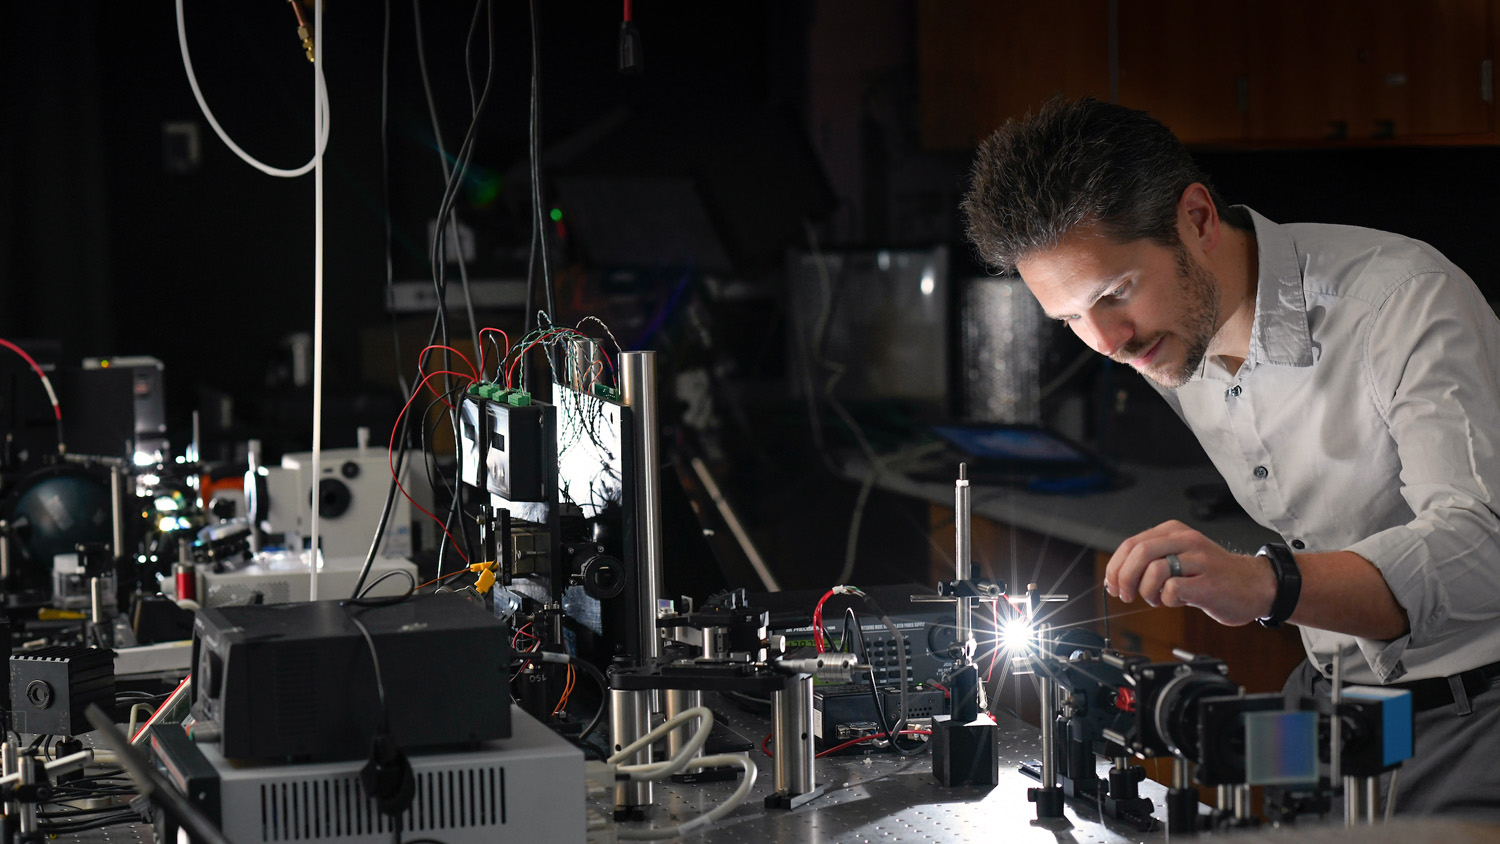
(1345, 382)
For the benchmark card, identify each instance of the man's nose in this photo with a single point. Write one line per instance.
(1104, 333)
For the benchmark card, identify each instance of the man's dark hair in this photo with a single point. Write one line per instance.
(1076, 164)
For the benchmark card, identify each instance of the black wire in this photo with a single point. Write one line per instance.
(536, 160)
(468, 64)
(598, 677)
(360, 598)
(78, 812)
(385, 720)
(97, 823)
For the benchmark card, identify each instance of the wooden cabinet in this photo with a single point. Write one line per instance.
(1238, 72)
(1186, 63)
(1371, 70)
(980, 62)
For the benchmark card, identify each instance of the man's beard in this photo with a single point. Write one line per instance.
(1198, 293)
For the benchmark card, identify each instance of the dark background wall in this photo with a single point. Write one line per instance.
(105, 249)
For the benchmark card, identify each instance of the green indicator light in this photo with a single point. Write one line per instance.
(557, 215)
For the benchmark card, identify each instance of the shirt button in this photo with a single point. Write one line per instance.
(1261, 472)
(1298, 544)
(1235, 391)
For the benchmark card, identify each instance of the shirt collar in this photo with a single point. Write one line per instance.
(1279, 334)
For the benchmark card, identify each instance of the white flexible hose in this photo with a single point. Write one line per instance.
(657, 770)
(747, 783)
(321, 109)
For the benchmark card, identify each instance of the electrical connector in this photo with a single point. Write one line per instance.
(304, 28)
(632, 60)
(486, 577)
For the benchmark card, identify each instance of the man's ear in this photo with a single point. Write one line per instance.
(1198, 218)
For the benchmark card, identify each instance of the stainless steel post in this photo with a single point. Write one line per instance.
(638, 380)
(963, 568)
(1223, 800)
(1360, 799)
(256, 505)
(117, 509)
(96, 600)
(629, 719)
(679, 701)
(28, 809)
(1242, 802)
(1049, 709)
(8, 767)
(793, 714)
(1182, 773)
(4, 551)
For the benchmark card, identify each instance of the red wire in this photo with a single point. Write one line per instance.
(818, 621)
(627, 11)
(836, 748)
(765, 745)
(56, 410)
(521, 632)
(422, 359)
(391, 454)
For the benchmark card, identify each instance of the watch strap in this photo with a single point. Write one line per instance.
(1288, 582)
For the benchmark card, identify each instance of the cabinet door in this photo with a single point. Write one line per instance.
(1185, 63)
(1368, 69)
(980, 62)
(1424, 65)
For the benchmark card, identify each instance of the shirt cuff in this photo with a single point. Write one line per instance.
(1384, 658)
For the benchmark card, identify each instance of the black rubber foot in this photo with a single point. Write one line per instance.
(1049, 802)
(792, 801)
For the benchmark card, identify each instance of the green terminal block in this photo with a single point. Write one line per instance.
(486, 391)
(516, 398)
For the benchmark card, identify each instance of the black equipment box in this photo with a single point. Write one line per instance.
(297, 680)
(844, 713)
(50, 688)
(512, 444)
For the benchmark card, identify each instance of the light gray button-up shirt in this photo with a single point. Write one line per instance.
(1367, 418)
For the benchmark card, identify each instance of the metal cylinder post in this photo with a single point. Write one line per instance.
(629, 719)
(638, 383)
(1361, 797)
(28, 768)
(793, 714)
(679, 701)
(96, 600)
(4, 552)
(8, 767)
(1049, 711)
(962, 564)
(1182, 773)
(117, 510)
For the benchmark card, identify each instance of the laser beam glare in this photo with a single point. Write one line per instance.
(1015, 635)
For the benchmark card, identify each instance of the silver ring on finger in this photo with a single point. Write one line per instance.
(1174, 565)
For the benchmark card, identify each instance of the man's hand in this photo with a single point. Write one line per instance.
(1233, 589)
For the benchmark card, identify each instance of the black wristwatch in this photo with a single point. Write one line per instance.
(1288, 582)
